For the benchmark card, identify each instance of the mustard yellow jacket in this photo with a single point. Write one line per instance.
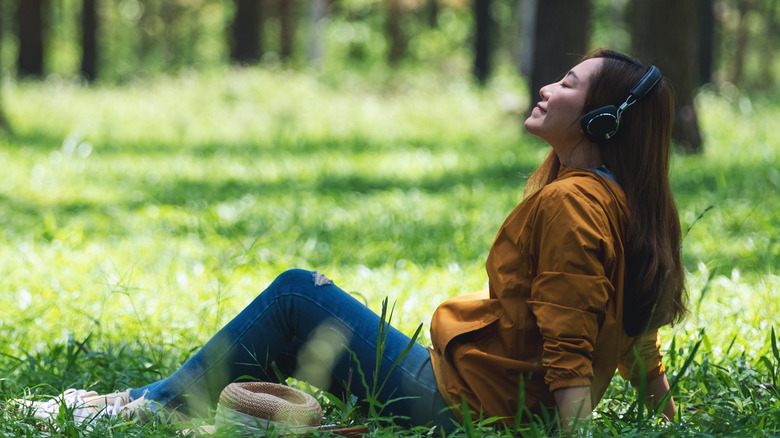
(553, 315)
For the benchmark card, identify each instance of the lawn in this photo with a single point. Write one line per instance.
(138, 219)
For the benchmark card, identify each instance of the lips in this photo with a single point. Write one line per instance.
(539, 107)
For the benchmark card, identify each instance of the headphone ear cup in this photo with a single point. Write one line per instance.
(599, 122)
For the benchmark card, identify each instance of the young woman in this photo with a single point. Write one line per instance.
(581, 275)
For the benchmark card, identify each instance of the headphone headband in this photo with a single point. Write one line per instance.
(603, 123)
(647, 83)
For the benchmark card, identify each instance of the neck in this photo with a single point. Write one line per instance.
(584, 155)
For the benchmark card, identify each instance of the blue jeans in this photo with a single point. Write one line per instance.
(306, 327)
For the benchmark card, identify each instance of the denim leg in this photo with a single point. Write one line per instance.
(324, 327)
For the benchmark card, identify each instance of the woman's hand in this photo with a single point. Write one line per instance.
(656, 391)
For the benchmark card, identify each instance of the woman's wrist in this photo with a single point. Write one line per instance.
(574, 406)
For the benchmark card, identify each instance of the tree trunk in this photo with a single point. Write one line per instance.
(772, 37)
(30, 22)
(89, 26)
(318, 14)
(394, 32)
(706, 40)
(743, 37)
(526, 29)
(664, 33)
(3, 123)
(483, 23)
(247, 47)
(558, 39)
(146, 41)
(286, 28)
(432, 13)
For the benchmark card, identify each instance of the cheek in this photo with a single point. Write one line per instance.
(580, 104)
(572, 113)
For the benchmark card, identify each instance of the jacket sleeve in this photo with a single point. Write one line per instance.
(643, 359)
(570, 292)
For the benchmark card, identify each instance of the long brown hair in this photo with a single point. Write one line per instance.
(638, 155)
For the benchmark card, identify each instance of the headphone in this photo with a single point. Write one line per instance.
(603, 123)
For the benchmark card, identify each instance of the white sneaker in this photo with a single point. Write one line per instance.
(87, 406)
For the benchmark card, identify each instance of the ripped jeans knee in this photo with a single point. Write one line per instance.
(320, 279)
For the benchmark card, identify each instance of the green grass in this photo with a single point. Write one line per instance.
(136, 220)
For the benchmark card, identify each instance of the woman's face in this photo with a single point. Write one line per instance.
(556, 117)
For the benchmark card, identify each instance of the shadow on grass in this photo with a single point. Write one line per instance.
(272, 143)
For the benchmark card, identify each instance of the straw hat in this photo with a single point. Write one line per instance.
(257, 406)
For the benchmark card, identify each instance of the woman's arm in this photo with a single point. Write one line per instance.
(574, 405)
(657, 390)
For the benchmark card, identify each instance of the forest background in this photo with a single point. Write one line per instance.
(164, 160)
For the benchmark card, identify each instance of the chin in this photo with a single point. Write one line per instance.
(530, 127)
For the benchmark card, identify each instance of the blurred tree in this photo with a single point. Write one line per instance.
(319, 12)
(89, 26)
(30, 27)
(483, 24)
(146, 31)
(555, 35)
(3, 123)
(772, 38)
(395, 35)
(706, 13)
(664, 33)
(743, 38)
(247, 44)
(432, 12)
(286, 28)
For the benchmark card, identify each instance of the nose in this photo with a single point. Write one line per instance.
(544, 92)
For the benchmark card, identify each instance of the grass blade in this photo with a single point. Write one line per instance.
(676, 380)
